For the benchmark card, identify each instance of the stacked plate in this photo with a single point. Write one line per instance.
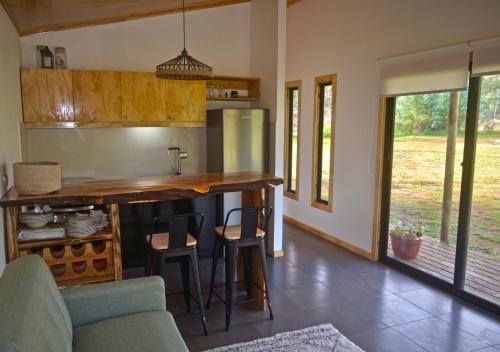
(84, 225)
(80, 226)
(99, 219)
(35, 220)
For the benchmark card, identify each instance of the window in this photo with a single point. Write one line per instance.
(324, 131)
(292, 137)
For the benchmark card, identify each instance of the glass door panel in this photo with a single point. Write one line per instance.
(425, 183)
(482, 275)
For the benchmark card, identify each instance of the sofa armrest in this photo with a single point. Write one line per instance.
(88, 304)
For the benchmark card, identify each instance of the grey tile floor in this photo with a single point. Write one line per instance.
(376, 307)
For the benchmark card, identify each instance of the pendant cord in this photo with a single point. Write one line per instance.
(184, 22)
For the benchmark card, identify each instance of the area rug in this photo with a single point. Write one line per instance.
(320, 338)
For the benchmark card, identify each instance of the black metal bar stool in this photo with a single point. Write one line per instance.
(241, 237)
(177, 243)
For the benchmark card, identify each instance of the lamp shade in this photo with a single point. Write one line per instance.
(184, 67)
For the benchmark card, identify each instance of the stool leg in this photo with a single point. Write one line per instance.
(199, 294)
(184, 265)
(215, 259)
(230, 273)
(247, 258)
(147, 263)
(159, 264)
(159, 267)
(262, 248)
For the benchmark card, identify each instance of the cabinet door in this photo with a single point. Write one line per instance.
(143, 97)
(47, 95)
(186, 101)
(97, 96)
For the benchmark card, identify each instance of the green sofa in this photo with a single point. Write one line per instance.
(35, 316)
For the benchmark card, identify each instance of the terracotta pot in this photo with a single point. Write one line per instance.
(405, 248)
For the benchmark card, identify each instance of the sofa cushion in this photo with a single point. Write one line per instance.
(151, 331)
(33, 316)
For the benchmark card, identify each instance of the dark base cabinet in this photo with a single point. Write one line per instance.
(136, 223)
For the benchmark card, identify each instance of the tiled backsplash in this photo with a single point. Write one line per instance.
(116, 152)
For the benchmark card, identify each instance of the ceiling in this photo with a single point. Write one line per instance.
(37, 16)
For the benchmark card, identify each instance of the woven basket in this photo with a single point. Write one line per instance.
(36, 178)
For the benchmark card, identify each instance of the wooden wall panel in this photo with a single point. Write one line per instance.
(38, 16)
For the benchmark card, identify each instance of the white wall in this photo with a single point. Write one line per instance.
(347, 37)
(10, 109)
(268, 55)
(217, 36)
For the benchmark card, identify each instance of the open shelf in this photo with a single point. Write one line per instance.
(250, 86)
(104, 234)
(233, 99)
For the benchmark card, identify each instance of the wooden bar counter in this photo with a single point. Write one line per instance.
(110, 194)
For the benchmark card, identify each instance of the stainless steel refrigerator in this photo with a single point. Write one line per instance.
(237, 140)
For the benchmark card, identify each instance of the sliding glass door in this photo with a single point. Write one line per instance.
(425, 183)
(482, 274)
(441, 188)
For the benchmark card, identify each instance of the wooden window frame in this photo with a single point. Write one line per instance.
(286, 192)
(316, 203)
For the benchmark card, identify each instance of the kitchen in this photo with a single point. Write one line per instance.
(118, 152)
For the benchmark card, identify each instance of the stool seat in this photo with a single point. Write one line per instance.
(161, 240)
(233, 232)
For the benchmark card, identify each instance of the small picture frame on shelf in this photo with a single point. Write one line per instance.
(44, 57)
(60, 58)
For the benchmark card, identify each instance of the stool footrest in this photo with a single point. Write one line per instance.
(244, 301)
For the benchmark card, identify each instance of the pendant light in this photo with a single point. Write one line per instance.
(184, 67)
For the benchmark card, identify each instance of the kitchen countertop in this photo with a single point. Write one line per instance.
(145, 189)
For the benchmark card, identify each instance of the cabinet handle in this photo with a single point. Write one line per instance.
(125, 117)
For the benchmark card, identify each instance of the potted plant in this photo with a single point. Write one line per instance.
(406, 240)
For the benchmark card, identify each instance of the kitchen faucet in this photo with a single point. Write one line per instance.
(178, 156)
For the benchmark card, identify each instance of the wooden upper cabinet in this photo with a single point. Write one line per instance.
(97, 96)
(110, 99)
(186, 101)
(47, 95)
(143, 97)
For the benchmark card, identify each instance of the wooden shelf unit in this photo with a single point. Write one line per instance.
(73, 261)
(229, 83)
(86, 281)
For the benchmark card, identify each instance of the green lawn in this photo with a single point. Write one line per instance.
(417, 187)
